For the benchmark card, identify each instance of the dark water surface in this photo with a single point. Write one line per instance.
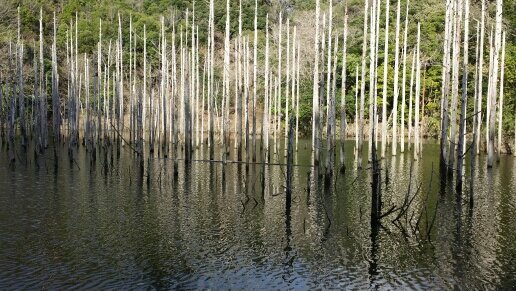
(108, 225)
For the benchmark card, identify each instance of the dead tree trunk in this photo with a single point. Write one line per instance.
(362, 86)
(464, 102)
(343, 118)
(403, 83)
(494, 82)
(315, 108)
(500, 112)
(480, 75)
(446, 87)
(396, 85)
(385, 70)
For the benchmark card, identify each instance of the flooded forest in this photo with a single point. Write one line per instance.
(251, 144)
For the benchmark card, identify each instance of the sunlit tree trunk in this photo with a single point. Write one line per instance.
(418, 91)
(372, 76)
(385, 70)
(362, 85)
(457, 27)
(464, 102)
(500, 110)
(403, 82)
(315, 105)
(343, 118)
(396, 85)
(255, 76)
(411, 86)
(445, 85)
(494, 82)
(265, 122)
(480, 82)
(226, 86)
(330, 131)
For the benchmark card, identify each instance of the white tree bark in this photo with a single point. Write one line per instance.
(396, 85)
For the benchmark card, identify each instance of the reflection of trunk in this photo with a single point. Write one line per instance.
(288, 198)
(290, 162)
(373, 261)
(376, 206)
(376, 202)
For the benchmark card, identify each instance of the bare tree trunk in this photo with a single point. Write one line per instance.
(43, 98)
(500, 108)
(403, 82)
(265, 123)
(238, 85)
(385, 70)
(203, 103)
(343, 118)
(480, 75)
(328, 66)
(496, 55)
(489, 83)
(356, 113)
(446, 86)
(315, 108)
(12, 109)
(144, 95)
(255, 76)
(293, 76)
(298, 81)
(362, 86)
(330, 130)
(226, 86)
(457, 25)
(211, 97)
(277, 125)
(21, 95)
(287, 88)
(412, 74)
(464, 102)
(396, 86)
(418, 85)
(372, 76)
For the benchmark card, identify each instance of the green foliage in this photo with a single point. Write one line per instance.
(147, 13)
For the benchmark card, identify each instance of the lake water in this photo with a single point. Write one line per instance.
(208, 225)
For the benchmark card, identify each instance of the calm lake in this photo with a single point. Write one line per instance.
(108, 225)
